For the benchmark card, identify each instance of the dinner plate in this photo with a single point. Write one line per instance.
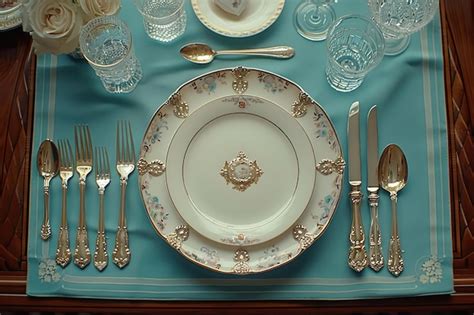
(240, 173)
(257, 17)
(240, 170)
(10, 14)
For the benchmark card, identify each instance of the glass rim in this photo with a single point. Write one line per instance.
(106, 20)
(175, 13)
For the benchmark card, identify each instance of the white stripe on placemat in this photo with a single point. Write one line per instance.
(52, 96)
(429, 140)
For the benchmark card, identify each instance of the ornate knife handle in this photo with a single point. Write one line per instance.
(375, 237)
(395, 260)
(46, 226)
(121, 254)
(357, 253)
(63, 252)
(82, 253)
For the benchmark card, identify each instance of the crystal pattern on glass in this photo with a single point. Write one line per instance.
(313, 18)
(398, 19)
(164, 20)
(355, 46)
(106, 43)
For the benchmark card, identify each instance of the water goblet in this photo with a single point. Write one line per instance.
(312, 19)
(399, 19)
(106, 43)
(164, 20)
(355, 45)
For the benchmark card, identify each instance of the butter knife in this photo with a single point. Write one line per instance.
(357, 253)
(375, 237)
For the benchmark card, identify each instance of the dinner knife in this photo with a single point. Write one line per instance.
(357, 253)
(375, 237)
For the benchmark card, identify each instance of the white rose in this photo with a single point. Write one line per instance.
(95, 8)
(56, 25)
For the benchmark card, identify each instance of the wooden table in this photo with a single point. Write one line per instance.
(17, 72)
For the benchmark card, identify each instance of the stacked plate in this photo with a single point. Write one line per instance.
(240, 170)
(10, 14)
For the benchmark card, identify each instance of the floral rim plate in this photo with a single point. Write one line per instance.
(241, 89)
(10, 14)
(256, 18)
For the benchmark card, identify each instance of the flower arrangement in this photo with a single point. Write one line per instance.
(55, 24)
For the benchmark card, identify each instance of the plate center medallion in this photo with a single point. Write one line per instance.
(241, 172)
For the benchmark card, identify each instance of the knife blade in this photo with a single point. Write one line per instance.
(357, 253)
(375, 237)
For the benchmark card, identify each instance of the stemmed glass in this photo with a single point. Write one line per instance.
(312, 18)
(398, 19)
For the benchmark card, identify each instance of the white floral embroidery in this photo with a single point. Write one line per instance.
(48, 272)
(432, 272)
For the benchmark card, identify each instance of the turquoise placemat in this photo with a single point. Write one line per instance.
(409, 91)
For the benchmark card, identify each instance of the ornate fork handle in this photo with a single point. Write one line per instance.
(100, 255)
(63, 252)
(46, 226)
(375, 237)
(395, 260)
(82, 254)
(357, 253)
(121, 254)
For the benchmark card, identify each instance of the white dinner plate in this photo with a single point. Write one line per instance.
(240, 170)
(257, 17)
(10, 15)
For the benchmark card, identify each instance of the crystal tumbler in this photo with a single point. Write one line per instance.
(164, 20)
(106, 43)
(399, 19)
(355, 45)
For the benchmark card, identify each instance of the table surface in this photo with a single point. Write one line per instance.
(17, 71)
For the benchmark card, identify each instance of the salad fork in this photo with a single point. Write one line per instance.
(125, 162)
(102, 178)
(66, 165)
(82, 136)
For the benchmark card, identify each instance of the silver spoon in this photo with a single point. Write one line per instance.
(202, 53)
(48, 164)
(393, 176)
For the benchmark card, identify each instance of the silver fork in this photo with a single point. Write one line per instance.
(82, 136)
(66, 165)
(102, 178)
(125, 161)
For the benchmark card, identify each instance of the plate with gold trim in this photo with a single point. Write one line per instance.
(240, 170)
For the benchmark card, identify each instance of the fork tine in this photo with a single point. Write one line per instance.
(132, 152)
(76, 141)
(117, 144)
(96, 162)
(88, 143)
(61, 155)
(83, 143)
(107, 166)
(124, 145)
(70, 161)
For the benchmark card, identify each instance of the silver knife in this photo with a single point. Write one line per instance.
(375, 237)
(357, 253)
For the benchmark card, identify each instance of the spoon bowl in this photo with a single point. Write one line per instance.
(48, 165)
(393, 176)
(203, 54)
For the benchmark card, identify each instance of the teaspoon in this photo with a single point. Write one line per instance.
(393, 175)
(202, 53)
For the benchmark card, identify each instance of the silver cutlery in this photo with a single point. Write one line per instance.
(82, 136)
(102, 178)
(202, 53)
(393, 176)
(125, 162)
(357, 253)
(375, 237)
(66, 171)
(48, 165)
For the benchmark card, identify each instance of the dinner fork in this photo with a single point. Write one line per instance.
(66, 165)
(125, 162)
(82, 136)
(102, 178)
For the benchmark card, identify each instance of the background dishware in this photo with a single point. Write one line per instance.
(354, 46)
(102, 178)
(125, 162)
(82, 137)
(106, 43)
(399, 19)
(202, 53)
(393, 176)
(48, 165)
(66, 171)
(312, 18)
(164, 20)
(10, 14)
